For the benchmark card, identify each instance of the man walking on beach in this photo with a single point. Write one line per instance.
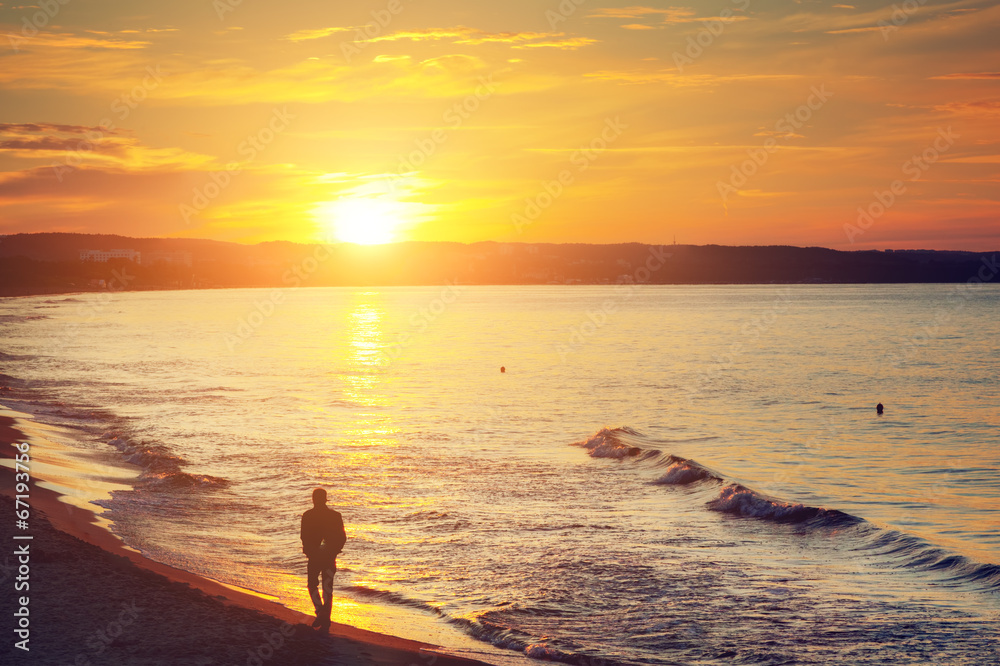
(323, 537)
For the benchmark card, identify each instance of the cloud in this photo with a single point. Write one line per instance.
(454, 62)
(31, 128)
(18, 42)
(941, 23)
(93, 185)
(669, 16)
(41, 143)
(464, 36)
(189, 80)
(630, 12)
(306, 35)
(569, 44)
(779, 134)
(460, 35)
(76, 63)
(54, 141)
(976, 108)
(232, 72)
(260, 201)
(846, 31)
(457, 35)
(68, 147)
(684, 80)
(965, 76)
(390, 58)
(974, 159)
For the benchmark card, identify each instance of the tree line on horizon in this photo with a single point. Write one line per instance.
(49, 263)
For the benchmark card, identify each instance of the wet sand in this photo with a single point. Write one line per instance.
(93, 601)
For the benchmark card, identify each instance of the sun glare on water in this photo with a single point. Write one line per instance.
(362, 220)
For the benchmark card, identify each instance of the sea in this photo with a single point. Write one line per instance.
(597, 475)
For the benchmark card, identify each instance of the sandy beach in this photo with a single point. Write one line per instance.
(92, 601)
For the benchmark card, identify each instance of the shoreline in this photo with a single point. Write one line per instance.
(58, 291)
(58, 528)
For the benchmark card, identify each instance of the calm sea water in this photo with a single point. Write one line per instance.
(663, 475)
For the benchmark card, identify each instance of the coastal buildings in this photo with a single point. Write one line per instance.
(147, 259)
(103, 256)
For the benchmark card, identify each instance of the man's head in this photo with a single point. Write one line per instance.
(319, 497)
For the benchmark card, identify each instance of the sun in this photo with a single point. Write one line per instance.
(365, 220)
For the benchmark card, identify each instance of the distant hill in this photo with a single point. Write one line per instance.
(50, 262)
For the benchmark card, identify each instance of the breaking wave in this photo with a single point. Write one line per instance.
(900, 550)
(161, 468)
(609, 443)
(486, 626)
(743, 501)
(682, 472)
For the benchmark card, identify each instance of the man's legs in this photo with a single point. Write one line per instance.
(328, 573)
(313, 571)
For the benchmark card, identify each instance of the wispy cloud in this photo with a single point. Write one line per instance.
(70, 41)
(974, 108)
(668, 16)
(986, 76)
(464, 36)
(306, 35)
(190, 79)
(92, 147)
(846, 31)
(683, 80)
(459, 35)
(568, 44)
(31, 128)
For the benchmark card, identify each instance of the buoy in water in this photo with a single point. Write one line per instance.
(879, 408)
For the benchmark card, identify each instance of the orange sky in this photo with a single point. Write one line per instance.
(744, 122)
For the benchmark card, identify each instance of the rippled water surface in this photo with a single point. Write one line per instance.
(663, 475)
